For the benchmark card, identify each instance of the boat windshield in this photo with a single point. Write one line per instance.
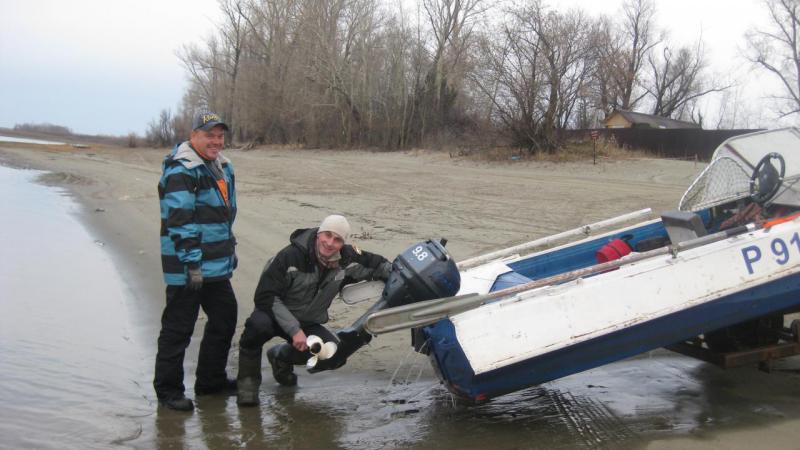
(727, 177)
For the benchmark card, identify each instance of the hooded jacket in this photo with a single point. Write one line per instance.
(296, 291)
(196, 223)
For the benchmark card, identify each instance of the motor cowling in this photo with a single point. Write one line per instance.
(423, 271)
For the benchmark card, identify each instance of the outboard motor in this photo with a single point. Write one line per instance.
(421, 272)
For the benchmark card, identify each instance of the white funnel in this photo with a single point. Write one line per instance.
(320, 350)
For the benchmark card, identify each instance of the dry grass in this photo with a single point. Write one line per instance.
(573, 151)
(49, 147)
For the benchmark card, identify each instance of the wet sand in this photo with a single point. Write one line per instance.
(394, 200)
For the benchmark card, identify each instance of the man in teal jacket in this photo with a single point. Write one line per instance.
(198, 205)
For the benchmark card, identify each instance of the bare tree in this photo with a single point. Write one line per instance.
(535, 75)
(677, 80)
(204, 68)
(451, 23)
(233, 33)
(641, 38)
(214, 70)
(568, 50)
(159, 132)
(332, 73)
(777, 50)
(508, 76)
(622, 51)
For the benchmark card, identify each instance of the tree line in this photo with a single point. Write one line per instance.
(358, 73)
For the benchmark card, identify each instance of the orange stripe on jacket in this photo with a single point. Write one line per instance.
(223, 189)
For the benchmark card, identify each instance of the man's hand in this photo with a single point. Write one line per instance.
(383, 271)
(195, 279)
(299, 341)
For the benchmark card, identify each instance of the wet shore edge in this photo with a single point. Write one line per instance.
(112, 227)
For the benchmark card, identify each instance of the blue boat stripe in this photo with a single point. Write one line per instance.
(576, 256)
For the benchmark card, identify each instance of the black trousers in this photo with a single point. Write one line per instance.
(260, 327)
(177, 325)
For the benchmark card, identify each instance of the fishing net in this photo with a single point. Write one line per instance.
(723, 181)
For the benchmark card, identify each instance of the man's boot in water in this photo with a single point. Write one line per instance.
(249, 378)
(280, 358)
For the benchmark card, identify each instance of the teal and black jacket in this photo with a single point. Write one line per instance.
(196, 223)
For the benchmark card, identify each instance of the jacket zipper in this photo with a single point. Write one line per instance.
(230, 219)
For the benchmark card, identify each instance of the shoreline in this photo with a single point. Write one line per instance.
(98, 216)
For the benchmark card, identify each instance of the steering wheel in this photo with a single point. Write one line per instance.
(766, 179)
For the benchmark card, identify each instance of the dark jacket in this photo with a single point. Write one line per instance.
(196, 224)
(295, 291)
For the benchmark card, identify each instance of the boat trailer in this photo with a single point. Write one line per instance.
(786, 343)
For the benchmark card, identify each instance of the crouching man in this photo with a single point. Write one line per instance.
(292, 299)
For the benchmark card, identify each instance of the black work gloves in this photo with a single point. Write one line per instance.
(383, 271)
(195, 278)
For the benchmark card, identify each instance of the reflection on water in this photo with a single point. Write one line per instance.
(73, 376)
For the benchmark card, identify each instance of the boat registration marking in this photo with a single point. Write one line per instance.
(778, 247)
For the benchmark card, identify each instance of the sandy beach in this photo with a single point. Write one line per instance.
(392, 201)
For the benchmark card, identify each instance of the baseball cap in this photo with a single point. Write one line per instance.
(207, 120)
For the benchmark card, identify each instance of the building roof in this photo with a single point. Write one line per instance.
(653, 121)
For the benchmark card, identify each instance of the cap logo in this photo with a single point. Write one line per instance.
(209, 117)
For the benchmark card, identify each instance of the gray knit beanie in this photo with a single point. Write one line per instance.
(336, 224)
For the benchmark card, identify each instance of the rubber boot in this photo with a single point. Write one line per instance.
(249, 378)
(280, 358)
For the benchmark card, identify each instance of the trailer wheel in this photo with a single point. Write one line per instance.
(795, 329)
(746, 335)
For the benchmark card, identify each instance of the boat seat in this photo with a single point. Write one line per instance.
(683, 226)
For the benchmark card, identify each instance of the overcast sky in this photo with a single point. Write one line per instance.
(95, 66)
(109, 66)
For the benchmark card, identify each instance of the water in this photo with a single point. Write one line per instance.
(75, 373)
(68, 367)
(28, 141)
